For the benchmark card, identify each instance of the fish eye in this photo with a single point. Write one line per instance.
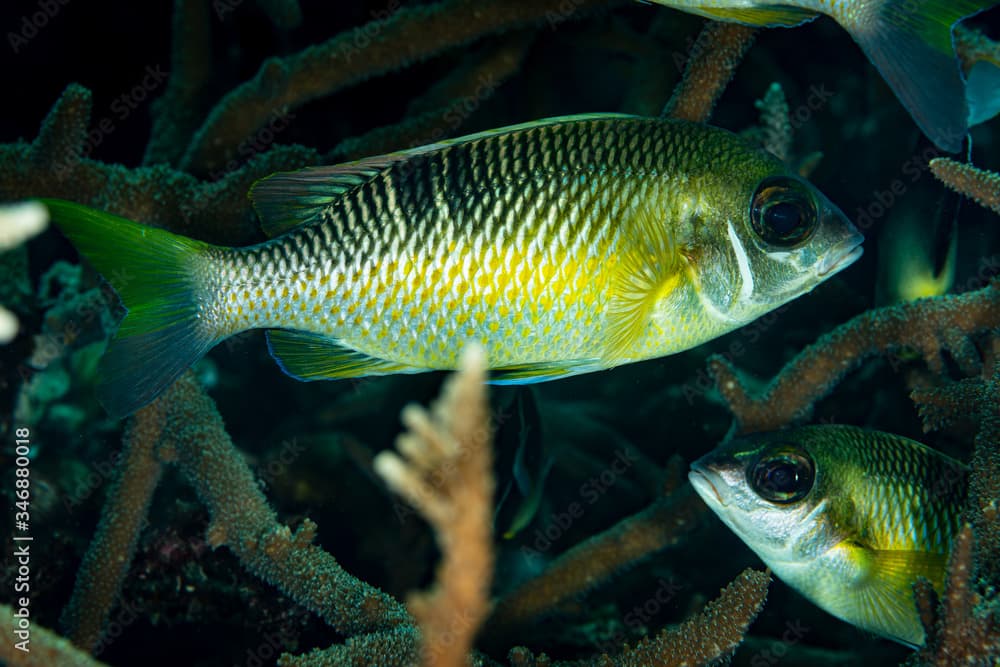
(783, 211)
(784, 475)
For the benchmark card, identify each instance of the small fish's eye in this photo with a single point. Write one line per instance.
(782, 476)
(783, 212)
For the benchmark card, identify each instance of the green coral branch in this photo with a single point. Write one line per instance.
(664, 523)
(928, 326)
(406, 36)
(99, 579)
(54, 165)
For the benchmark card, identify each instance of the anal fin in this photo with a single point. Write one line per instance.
(761, 16)
(308, 356)
(541, 372)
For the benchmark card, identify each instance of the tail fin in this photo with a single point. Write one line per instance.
(155, 274)
(983, 92)
(911, 46)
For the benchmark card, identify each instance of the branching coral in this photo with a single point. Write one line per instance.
(707, 638)
(712, 62)
(182, 427)
(978, 184)
(54, 165)
(178, 111)
(585, 566)
(928, 326)
(405, 36)
(444, 107)
(775, 127)
(447, 476)
(965, 628)
(966, 631)
(99, 578)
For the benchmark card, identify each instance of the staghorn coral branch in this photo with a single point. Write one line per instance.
(54, 166)
(47, 649)
(775, 126)
(242, 520)
(664, 523)
(445, 107)
(928, 325)
(966, 631)
(63, 132)
(406, 36)
(177, 112)
(964, 628)
(977, 184)
(106, 562)
(713, 60)
(398, 647)
(709, 637)
(447, 475)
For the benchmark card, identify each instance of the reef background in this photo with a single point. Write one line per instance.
(611, 434)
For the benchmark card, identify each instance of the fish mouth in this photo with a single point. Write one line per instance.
(841, 256)
(704, 484)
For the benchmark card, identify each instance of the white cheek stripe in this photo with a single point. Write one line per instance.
(746, 290)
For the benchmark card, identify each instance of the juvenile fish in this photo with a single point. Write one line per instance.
(909, 42)
(562, 246)
(848, 517)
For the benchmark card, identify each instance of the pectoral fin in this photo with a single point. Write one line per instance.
(648, 269)
(883, 593)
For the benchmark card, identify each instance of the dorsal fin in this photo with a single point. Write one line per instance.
(287, 199)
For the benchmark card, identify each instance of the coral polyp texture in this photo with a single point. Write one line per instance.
(245, 518)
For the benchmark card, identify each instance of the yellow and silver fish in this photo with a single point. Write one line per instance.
(848, 517)
(909, 42)
(562, 246)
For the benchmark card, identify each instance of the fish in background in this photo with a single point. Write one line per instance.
(563, 246)
(910, 43)
(850, 518)
(918, 246)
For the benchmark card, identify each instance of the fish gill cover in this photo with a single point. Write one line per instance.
(245, 518)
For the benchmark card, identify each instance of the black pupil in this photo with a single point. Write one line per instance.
(783, 218)
(783, 212)
(783, 478)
